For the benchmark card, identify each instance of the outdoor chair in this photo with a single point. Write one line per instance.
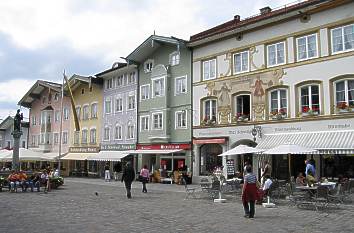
(295, 197)
(273, 191)
(321, 197)
(190, 192)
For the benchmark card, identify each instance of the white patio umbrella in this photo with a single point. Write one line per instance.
(289, 149)
(25, 155)
(4, 153)
(241, 149)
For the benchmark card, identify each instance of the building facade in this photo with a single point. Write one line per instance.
(119, 124)
(6, 138)
(164, 103)
(87, 95)
(44, 102)
(282, 76)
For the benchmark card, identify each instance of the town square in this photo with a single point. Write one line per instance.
(177, 116)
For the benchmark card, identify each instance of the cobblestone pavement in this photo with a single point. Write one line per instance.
(75, 207)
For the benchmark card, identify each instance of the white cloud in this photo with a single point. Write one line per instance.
(14, 90)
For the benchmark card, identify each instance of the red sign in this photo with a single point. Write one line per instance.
(184, 146)
(209, 141)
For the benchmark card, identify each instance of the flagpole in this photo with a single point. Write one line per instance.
(61, 123)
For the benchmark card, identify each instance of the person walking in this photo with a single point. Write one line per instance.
(128, 177)
(144, 174)
(116, 169)
(107, 174)
(249, 193)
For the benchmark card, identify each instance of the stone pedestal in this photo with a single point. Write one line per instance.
(16, 150)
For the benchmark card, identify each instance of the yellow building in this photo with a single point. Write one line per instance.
(87, 93)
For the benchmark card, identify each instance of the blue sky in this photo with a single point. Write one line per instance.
(41, 38)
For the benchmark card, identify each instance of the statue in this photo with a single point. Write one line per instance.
(17, 121)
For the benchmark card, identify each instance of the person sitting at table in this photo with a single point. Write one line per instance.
(310, 173)
(23, 180)
(34, 181)
(300, 179)
(13, 181)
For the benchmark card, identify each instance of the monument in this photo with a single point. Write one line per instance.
(17, 135)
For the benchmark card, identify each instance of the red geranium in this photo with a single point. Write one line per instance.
(342, 105)
(305, 109)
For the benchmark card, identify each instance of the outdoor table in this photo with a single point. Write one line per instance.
(309, 190)
(330, 185)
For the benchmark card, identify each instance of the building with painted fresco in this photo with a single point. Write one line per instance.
(118, 126)
(164, 103)
(283, 76)
(87, 95)
(44, 102)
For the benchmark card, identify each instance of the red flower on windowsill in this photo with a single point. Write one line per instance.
(342, 105)
(305, 109)
(282, 111)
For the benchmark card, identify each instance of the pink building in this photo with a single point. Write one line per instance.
(44, 102)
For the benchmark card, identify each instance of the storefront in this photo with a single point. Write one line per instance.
(164, 157)
(76, 161)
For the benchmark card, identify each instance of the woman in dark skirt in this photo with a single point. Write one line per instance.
(249, 193)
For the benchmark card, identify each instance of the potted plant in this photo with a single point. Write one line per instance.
(342, 107)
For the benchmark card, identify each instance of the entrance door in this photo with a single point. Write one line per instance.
(209, 158)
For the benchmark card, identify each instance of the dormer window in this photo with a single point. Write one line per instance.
(148, 65)
(174, 58)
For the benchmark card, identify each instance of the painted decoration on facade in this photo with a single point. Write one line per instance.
(255, 84)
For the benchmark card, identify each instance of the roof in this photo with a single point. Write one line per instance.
(115, 66)
(36, 90)
(151, 44)
(8, 123)
(76, 80)
(236, 25)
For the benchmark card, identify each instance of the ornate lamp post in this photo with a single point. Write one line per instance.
(17, 135)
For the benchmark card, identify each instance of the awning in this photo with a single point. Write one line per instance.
(109, 155)
(154, 151)
(78, 156)
(24, 155)
(326, 142)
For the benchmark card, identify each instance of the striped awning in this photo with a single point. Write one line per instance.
(326, 142)
(109, 155)
(77, 156)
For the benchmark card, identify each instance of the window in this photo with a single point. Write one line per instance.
(181, 85)
(174, 58)
(131, 102)
(310, 99)
(57, 116)
(85, 112)
(181, 120)
(344, 94)
(23, 144)
(66, 113)
(130, 132)
(93, 136)
(33, 140)
(148, 65)
(119, 81)
(78, 110)
(84, 136)
(118, 132)
(56, 138)
(107, 106)
(342, 38)
(210, 110)
(76, 137)
(241, 62)
(144, 92)
(106, 133)
(306, 47)
(144, 123)
(44, 99)
(56, 96)
(243, 107)
(158, 87)
(131, 78)
(94, 110)
(209, 69)
(119, 104)
(278, 103)
(34, 120)
(276, 54)
(65, 137)
(157, 120)
(109, 83)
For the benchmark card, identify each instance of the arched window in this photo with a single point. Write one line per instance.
(209, 110)
(106, 134)
(118, 132)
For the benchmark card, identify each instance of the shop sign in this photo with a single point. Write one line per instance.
(84, 149)
(209, 141)
(185, 146)
(118, 147)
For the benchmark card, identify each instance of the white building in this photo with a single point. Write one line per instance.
(288, 75)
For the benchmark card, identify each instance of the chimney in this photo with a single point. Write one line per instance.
(237, 18)
(265, 10)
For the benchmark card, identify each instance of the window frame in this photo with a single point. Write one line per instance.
(171, 58)
(203, 68)
(342, 37)
(184, 113)
(115, 132)
(129, 132)
(184, 77)
(153, 86)
(306, 44)
(110, 105)
(94, 104)
(309, 87)
(276, 57)
(153, 120)
(87, 117)
(148, 92)
(278, 90)
(84, 130)
(104, 133)
(234, 62)
(130, 108)
(236, 105)
(149, 69)
(141, 123)
(94, 141)
(346, 90)
(210, 107)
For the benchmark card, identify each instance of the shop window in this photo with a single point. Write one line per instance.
(278, 104)
(209, 159)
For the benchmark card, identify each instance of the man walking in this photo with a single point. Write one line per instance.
(128, 177)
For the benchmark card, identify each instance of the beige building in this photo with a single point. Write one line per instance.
(283, 76)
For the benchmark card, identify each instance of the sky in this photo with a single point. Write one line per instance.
(41, 38)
